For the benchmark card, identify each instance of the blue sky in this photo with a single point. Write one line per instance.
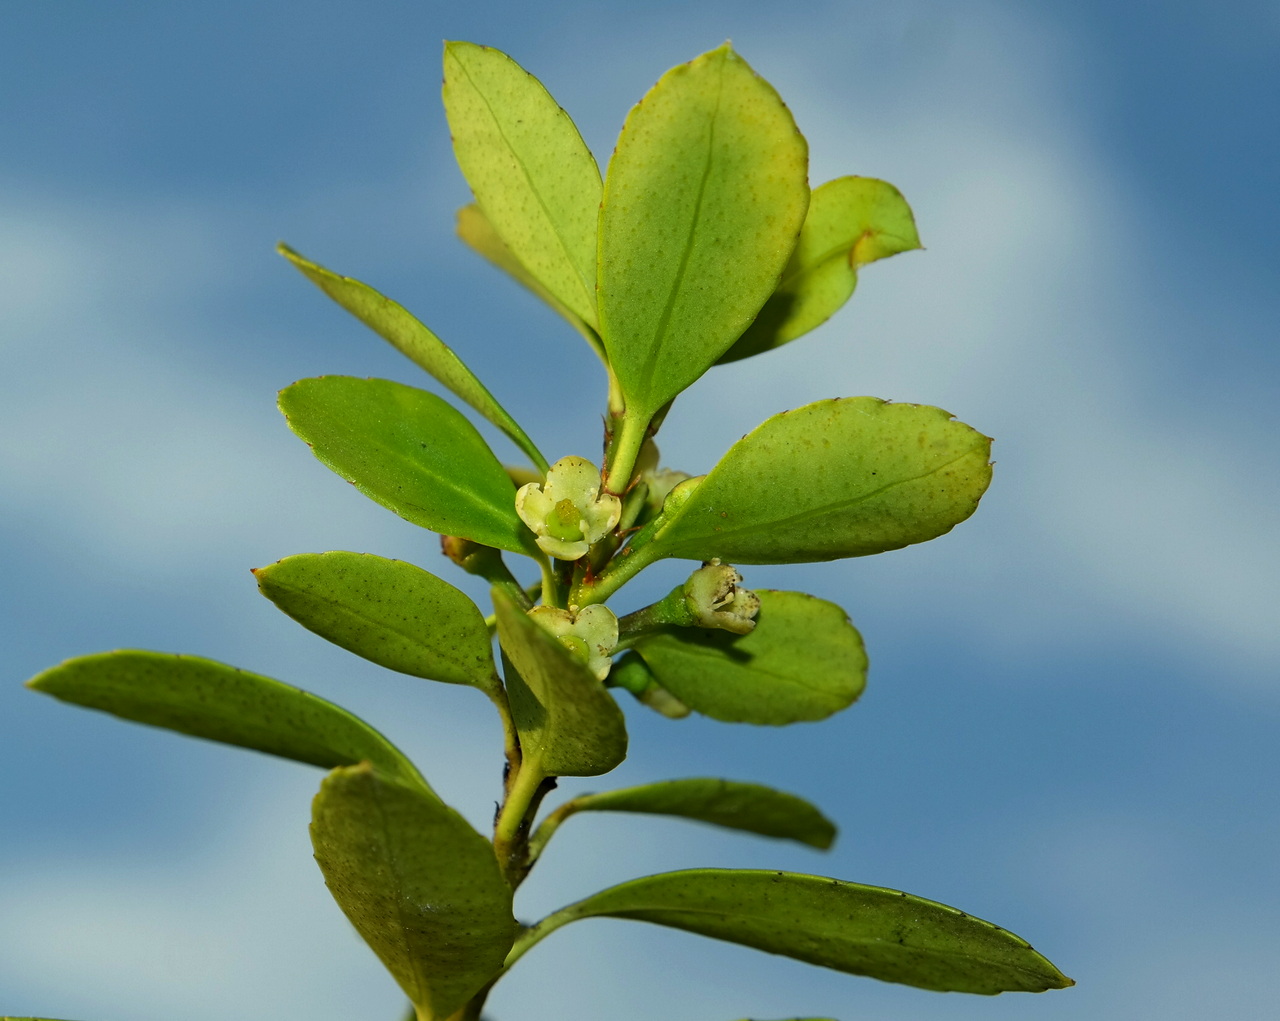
(1071, 718)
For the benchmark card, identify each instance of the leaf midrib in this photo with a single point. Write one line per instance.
(664, 320)
(771, 921)
(346, 608)
(445, 481)
(819, 512)
(586, 289)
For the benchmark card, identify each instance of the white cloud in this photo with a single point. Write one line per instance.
(242, 927)
(121, 432)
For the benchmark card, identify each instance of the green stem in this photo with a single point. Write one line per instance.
(552, 591)
(526, 789)
(620, 461)
(616, 400)
(535, 934)
(487, 563)
(547, 828)
(471, 1010)
(622, 568)
(510, 737)
(672, 609)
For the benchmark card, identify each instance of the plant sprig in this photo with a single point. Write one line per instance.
(702, 244)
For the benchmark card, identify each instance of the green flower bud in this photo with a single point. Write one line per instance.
(680, 493)
(660, 482)
(591, 633)
(567, 512)
(715, 599)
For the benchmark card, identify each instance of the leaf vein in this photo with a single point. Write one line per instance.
(537, 194)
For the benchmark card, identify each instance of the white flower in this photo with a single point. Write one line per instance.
(713, 596)
(567, 513)
(591, 633)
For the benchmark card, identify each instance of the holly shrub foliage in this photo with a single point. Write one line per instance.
(702, 244)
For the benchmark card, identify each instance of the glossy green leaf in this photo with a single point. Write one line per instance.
(412, 452)
(703, 201)
(569, 725)
(851, 221)
(419, 884)
(862, 930)
(730, 803)
(411, 338)
(803, 661)
(221, 703)
(392, 613)
(528, 168)
(839, 478)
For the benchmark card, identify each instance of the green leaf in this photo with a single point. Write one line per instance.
(862, 930)
(412, 452)
(411, 338)
(802, 661)
(851, 221)
(569, 725)
(703, 200)
(221, 703)
(839, 478)
(528, 168)
(392, 613)
(477, 232)
(419, 884)
(730, 803)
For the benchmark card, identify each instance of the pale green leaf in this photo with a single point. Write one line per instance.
(412, 452)
(392, 613)
(569, 725)
(703, 201)
(839, 478)
(851, 221)
(802, 661)
(528, 168)
(475, 230)
(394, 323)
(862, 930)
(217, 702)
(729, 803)
(418, 883)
